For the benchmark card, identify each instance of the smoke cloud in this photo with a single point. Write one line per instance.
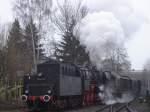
(101, 32)
(107, 94)
(117, 22)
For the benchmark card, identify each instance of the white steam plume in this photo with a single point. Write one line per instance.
(101, 32)
(108, 26)
(107, 96)
(134, 20)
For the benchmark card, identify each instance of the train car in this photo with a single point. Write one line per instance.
(123, 85)
(128, 85)
(136, 87)
(120, 85)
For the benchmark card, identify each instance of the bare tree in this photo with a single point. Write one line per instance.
(3, 48)
(66, 17)
(39, 11)
(3, 35)
(116, 57)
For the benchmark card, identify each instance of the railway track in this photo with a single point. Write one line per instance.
(118, 107)
(124, 107)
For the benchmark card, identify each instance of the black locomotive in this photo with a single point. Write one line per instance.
(65, 85)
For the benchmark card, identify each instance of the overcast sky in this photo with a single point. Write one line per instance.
(133, 15)
(5, 10)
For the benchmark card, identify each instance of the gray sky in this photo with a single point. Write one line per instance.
(5, 10)
(133, 15)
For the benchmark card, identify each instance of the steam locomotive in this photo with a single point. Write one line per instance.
(59, 85)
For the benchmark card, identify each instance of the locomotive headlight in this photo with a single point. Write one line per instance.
(24, 98)
(49, 91)
(26, 91)
(46, 98)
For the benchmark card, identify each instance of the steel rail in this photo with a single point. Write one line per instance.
(126, 106)
(103, 108)
(119, 109)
